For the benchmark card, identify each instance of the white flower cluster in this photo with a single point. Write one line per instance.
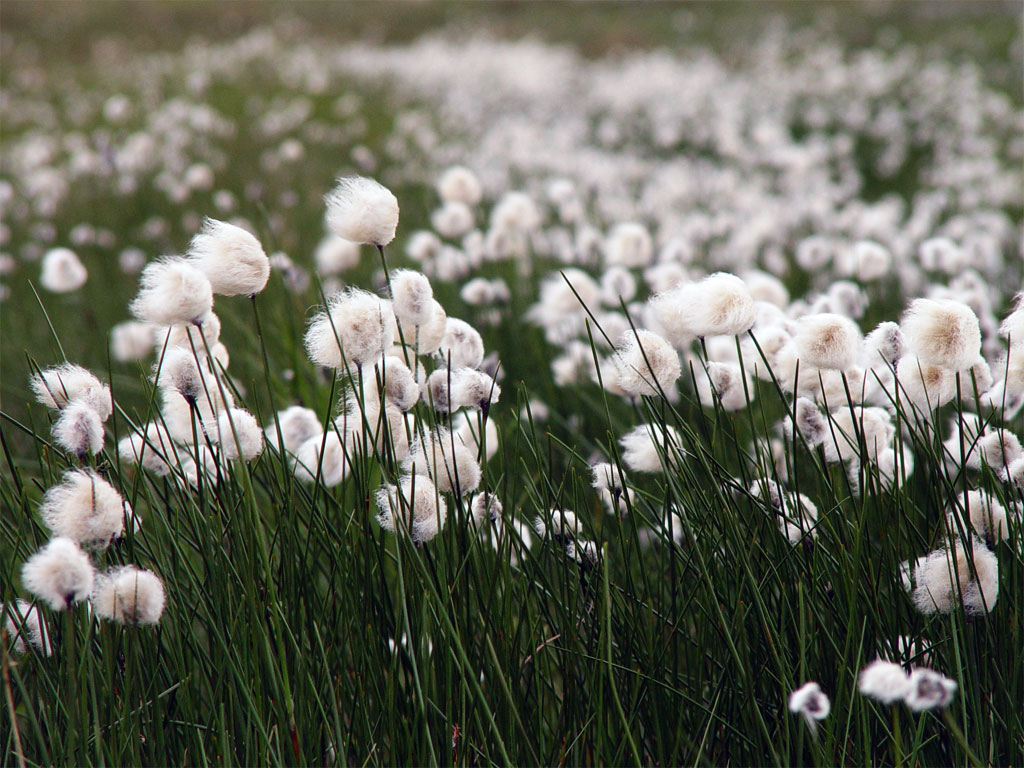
(83, 402)
(920, 689)
(85, 513)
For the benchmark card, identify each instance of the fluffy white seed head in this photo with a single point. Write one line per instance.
(445, 460)
(884, 345)
(25, 626)
(437, 391)
(322, 456)
(480, 436)
(172, 291)
(942, 332)
(231, 258)
(297, 425)
(849, 428)
(607, 477)
(827, 341)
(946, 579)
(810, 422)
(486, 507)
(452, 220)
(59, 574)
(427, 338)
(644, 447)
(462, 346)
(924, 386)
(617, 285)
(129, 595)
(395, 382)
(1013, 326)
(810, 701)
(193, 337)
(884, 681)
(646, 364)
(178, 369)
(414, 505)
(85, 508)
(724, 383)
(474, 389)
(334, 255)
(413, 299)
(153, 448)
(363, 211)
(79, 429)
(458, 184)
(357, 327)
(868, 260)
(929, 690)
(69, 383)
(131, 340)
(62, 271)
(245, 441)
(985, 515)
(629, 245)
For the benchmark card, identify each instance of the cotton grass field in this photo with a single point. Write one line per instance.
(532, 384)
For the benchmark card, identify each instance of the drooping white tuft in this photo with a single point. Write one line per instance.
(884, 345)
(473, 389)
(486, 507)
(85, 508)
(827, 341)
(334, 255)
(395, 382)
(414, 505)
(25, 626)
(231, 258)
(724, 383)
(942, 332)
(69, 383)
(413, 299)
(322, 456)
(458, 184)
(929, 690)
(462, 346)
(646, 364)
(650, 448)
(718, 305)
(362, 210)
(629, 245)
(62, 271)
(131, 340)
(445, 460)
(884, 681)
(172, 291)
(79, 429)
(946, 579)
(59, 574)
(129, 595)
(809, 700)
(297, 425)
(924, 386)
(239, 434)
(357, 327)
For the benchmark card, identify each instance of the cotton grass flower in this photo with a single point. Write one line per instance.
(446, 461)
(412, 297)
(928, 689)
(943, 333)
(458, 184)
(724, 384)
(486, 507)
(59, 574)
(414, 505)
(462, 345)
(324, 456)
(154, 448)
(68, 383)
(79, 430)
(809, 701)
(646, 364)
(644, 446)
(827, 341)
(334, 255)
(985, 516)
(231, 258)
(884, 681)
(356, 328)
(129, 595)
(473, 389)
(718, 305)
(85, 508)
(946, 579)
(26, 627)
(131, 340)
(62, 271)
(296, 424)
(362, 210)
(629, 245)
(239, 435)
(172, 291)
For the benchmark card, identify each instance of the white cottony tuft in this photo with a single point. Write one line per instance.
(172, 291)
(445, 460)
(413, 505)
(646, 364)
(473, 389)
(62, 271)
(239, 435)
(458, 184)
(131, 340)
(59, 574)
(809, 700)
(85, 508)
(644, 447)
(69, 383)
(929, 690)
(24, 624)
(629, 245)
(79, 430)
(363, 211)
(827, 341)
(884, 681)
(231, 258)
(462, 346)
(942, 332)
(298, 424)
(413, 299)
(946, 579)
(718, 305)
(129, 595)
(335, 254)
(357, 327)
